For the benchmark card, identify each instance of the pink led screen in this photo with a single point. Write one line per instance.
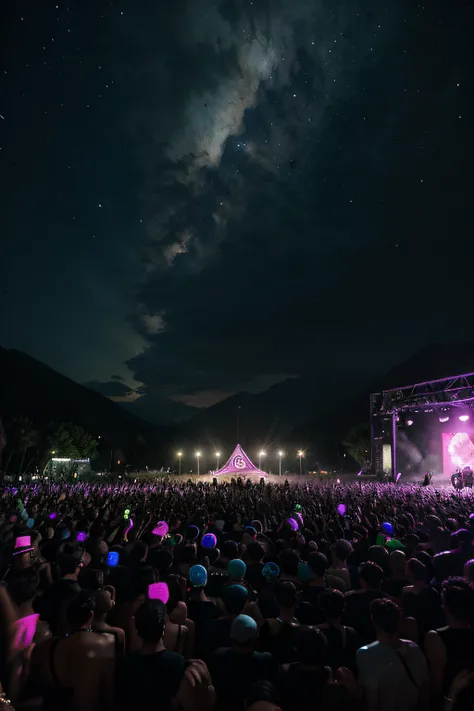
(458, 451)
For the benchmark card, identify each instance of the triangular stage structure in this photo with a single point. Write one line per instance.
(239, 464)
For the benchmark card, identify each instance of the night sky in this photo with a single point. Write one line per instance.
(200, 197)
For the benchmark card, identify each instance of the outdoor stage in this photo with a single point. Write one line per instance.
(423, 427)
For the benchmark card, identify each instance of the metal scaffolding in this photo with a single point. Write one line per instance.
(385, 406)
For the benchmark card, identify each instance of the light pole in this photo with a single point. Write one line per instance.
(218, 454)
(280, 455)
(260, 455)
(301, 455)
(180, 454)
(198, 455)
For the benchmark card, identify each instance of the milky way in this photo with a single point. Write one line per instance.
(206, 196)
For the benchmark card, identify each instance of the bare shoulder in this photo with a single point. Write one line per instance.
(102, 645)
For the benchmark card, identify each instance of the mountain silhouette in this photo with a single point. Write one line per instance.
(313, 413)
(34, 390)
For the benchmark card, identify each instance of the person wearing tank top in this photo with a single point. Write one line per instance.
(450, 649)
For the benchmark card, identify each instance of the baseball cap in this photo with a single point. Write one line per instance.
(270, 571)
(198, 576)
(244, 630)
(236, 568)
(234, 598)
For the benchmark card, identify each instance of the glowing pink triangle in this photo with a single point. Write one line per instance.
(239, 464)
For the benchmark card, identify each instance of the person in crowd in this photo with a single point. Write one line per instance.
(288, 561)
(76, 671)
(342, 641)
(236, 571)
(310, 678)
(452, 561)
(254, 556)
(277, 634)
(179, 631)
(23, 589)
(228, 552)
(339, 568)
(104, 604)
(357, 602)
(468, 571)
(318, 565)
(396, 579)
(236, 667)
(393, 674)
(154, 676)
(141, 577)
(52, 604)
(216, 633)
(450, 649)
(380, 556)
(438, 536)
(201, 609)
(421, 601)
(263, 696)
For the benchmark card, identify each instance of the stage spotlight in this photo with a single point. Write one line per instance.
(444, 418)
(463, 418)
(409, 423)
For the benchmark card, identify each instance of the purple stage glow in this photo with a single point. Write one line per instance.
(239, 464)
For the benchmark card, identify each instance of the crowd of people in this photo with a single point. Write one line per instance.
(236, 595)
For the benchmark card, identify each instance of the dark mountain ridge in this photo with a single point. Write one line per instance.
(34, 390)
(304, 412)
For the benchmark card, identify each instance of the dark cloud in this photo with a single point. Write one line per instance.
(283, 187)
(294, 189)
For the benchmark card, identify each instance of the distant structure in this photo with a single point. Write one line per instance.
(239, 464)
(65, 468)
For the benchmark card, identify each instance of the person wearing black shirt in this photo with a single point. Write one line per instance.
(357, 602)
(215, 633)
(152, 677)
(236, 668)
(52, 604)
(311, 614)
(309, 679)
(278, 634)
(255, 556)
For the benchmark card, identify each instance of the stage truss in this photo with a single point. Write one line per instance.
(386, 406)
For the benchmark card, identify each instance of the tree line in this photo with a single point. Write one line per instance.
(23, 446)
